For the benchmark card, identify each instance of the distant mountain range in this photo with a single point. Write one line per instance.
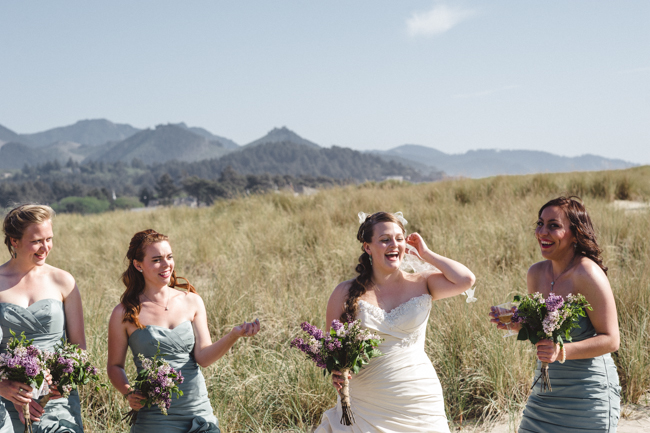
(281, 151)
(492, 162)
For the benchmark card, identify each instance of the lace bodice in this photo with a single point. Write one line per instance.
(403, 326)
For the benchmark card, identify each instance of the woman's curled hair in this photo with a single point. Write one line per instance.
(134, 280)
(581, 227)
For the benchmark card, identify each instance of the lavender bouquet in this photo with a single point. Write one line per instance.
(158, 381)
(69, 367)
(24, 363)
(552, 318)
(347, 348)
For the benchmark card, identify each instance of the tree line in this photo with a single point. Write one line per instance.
(100, 186)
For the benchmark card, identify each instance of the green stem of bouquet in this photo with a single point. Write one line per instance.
(347, 418)
(546, 380)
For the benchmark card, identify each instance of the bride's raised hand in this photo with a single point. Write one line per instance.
(337, 379)
(416, 241)
(247, 329)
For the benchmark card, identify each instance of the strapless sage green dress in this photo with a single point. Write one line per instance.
(190, 413)
(585, 396)
(43, 322)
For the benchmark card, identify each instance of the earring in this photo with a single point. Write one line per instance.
(13, 253)
(370, 259)
(575, 245)
(140, 270)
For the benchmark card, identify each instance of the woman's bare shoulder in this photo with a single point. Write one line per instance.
(118, 312)
(587, 273)
(341, 291)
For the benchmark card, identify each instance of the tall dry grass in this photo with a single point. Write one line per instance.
(278, 257)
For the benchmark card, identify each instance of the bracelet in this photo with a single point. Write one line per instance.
(563, 350)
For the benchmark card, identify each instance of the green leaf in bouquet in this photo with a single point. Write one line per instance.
(523, 334)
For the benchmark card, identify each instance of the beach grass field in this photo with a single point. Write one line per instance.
(277, 257)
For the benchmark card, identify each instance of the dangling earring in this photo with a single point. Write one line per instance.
(13, 252)
(575, 245)
(370, 257)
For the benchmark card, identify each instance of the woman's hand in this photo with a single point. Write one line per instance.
(547, 351)
(16, 392)
(416, 241)
(135, 399)
(338, 380)
(54, 393)
(35, 411)
(247, 329)
(494, 314)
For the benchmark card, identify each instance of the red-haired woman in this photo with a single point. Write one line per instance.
(586, 391)
(152, 314)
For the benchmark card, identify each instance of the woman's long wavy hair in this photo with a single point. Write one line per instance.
(134, 280)
(581, 227)
(364, 281)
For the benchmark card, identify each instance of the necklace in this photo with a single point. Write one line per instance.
(569, 266)
(163, 306)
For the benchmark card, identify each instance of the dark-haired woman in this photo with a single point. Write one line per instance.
(399, 391)
(43, 302)
(586, 392)
(153, 314)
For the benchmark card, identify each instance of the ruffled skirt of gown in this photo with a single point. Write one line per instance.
(398, 392)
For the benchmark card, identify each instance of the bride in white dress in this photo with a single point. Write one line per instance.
(398, 391)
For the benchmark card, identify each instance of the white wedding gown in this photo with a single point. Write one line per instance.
(398, 391)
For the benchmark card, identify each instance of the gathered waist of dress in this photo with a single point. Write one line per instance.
(586, 364)
(181, 361)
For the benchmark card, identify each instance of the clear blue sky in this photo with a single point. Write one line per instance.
(568, 77)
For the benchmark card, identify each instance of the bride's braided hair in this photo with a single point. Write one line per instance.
(364, 281)
(581, 227)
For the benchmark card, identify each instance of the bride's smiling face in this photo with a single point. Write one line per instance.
(387, 246)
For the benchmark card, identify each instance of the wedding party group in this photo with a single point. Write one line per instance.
(163, 320)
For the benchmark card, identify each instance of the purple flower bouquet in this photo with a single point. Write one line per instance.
(158, 381)
(24, 363)
(552, 318)
(347, 348)
(69, 367)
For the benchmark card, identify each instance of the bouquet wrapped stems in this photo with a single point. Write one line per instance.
(546, 380)
(28, 420)
(347, 418)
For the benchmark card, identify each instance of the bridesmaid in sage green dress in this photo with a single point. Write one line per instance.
(586, 391)
(152, 313)
(44, 303)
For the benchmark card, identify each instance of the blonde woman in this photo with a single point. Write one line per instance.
(43, 302)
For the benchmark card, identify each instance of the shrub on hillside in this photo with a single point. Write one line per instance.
(82, 205)
(126, 203)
